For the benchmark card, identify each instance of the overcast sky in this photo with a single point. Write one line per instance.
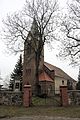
(7, 62)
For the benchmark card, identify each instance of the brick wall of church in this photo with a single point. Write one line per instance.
(29, 66)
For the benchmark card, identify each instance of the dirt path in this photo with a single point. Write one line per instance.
(39, 118)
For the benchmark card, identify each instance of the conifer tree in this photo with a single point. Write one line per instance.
(17, 73)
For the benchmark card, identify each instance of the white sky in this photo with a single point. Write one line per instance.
(7, 62)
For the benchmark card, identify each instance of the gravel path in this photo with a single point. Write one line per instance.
(39, 118)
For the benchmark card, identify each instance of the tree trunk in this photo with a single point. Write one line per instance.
(37, 62)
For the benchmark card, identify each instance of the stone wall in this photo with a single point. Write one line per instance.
(74, 97)
(10, 98)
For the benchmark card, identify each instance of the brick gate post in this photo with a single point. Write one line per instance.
(27, 96)
(64, 95)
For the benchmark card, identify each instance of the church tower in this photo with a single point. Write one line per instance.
(29, 65)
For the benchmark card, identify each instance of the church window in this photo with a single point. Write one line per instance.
(62, 82)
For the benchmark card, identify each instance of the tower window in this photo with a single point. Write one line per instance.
(28, 71)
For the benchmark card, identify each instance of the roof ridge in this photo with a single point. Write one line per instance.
(58, 71)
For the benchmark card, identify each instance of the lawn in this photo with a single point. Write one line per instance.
(10, 111)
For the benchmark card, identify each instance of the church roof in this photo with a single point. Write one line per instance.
(44, 77)
(58, 72)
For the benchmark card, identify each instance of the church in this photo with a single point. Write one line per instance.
(50, 77)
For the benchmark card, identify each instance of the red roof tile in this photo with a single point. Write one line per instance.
(44, 77)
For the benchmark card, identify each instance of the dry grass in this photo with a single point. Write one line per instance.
(9, 111)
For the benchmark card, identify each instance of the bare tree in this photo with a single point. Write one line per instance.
(71, 33)
(18, 25)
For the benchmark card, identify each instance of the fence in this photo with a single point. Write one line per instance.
(64, 97)
(74, 97)
(10, 98)
(49, 99)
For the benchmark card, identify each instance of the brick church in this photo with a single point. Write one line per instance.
(46, 82)
(50, 77)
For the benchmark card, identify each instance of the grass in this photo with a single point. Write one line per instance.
(10, 111)
(46, 101)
